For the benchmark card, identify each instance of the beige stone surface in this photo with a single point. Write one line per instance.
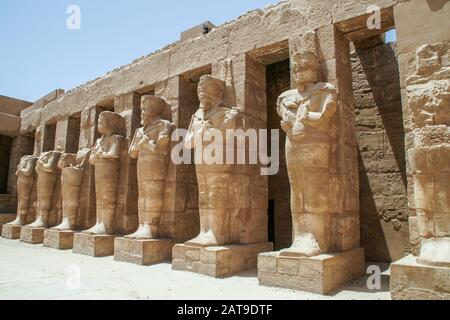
(58, 239)
(73, 168)
(9, 125)
(143, 252)
(217, 262)
(25, 181)
(93, 245)
(47, 181)
(320, 274)
(32, 235)
(11, 232)
(106, 158)
(413, 281)
(151, 146)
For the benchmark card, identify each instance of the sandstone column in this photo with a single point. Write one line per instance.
(151, 146)
(99, 240)
(424, 50)
(47, 176)
(72, 168)
(321, 156)
(223, 246)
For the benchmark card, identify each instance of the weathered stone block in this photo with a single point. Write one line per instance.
(93, 245)
(143, 252)
(32, 235)
(217, 262)
(56, 239)
(11, 232)
(321, 274)
(413, 281)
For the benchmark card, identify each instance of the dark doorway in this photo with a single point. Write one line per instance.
(5, 153)
(278, 80)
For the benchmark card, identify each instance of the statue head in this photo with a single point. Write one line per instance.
(305, 67)
(110, 123)
(211, 92)
(152, 109)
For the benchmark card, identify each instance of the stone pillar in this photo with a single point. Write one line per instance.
(180, 219)
(128, 106)
(246, 230)
(326, 252)
(425, 83)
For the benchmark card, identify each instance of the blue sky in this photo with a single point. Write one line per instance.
(39, 53)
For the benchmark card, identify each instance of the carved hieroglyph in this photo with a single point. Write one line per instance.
(25, 179)
(429, 106)
(308, 118)
(106, 159)
(72, 173)
(47, 174)
(215, 196)
(151, 146)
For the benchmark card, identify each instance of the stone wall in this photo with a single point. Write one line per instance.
(382, 167)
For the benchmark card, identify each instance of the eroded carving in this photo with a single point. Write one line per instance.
(106, 159)
(151, 146)
(72, 168)
(25, 179)
(308, 118)
(216, 197)
(47, 175)
(429, 106)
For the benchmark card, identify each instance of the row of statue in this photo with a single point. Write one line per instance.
(308, 117)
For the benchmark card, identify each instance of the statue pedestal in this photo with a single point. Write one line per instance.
(56, 239)
(321, 274)
(143, 252)
(11, 232)
(413, 281)
(32, 235)
(93, 245)
(217, 262)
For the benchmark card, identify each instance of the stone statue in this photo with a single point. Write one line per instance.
(308, 118)
(106, 159)
(213, 180)
(25, 179)
(72, 172)
(429, 105)
(47, 173)
(151, 146)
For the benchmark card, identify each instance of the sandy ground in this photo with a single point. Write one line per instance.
(35, 272)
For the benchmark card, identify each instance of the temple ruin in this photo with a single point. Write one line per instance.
(364, 145)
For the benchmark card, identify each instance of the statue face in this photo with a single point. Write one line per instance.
(208, 96)
(303, 75)
(150, 111)
(104, 125)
